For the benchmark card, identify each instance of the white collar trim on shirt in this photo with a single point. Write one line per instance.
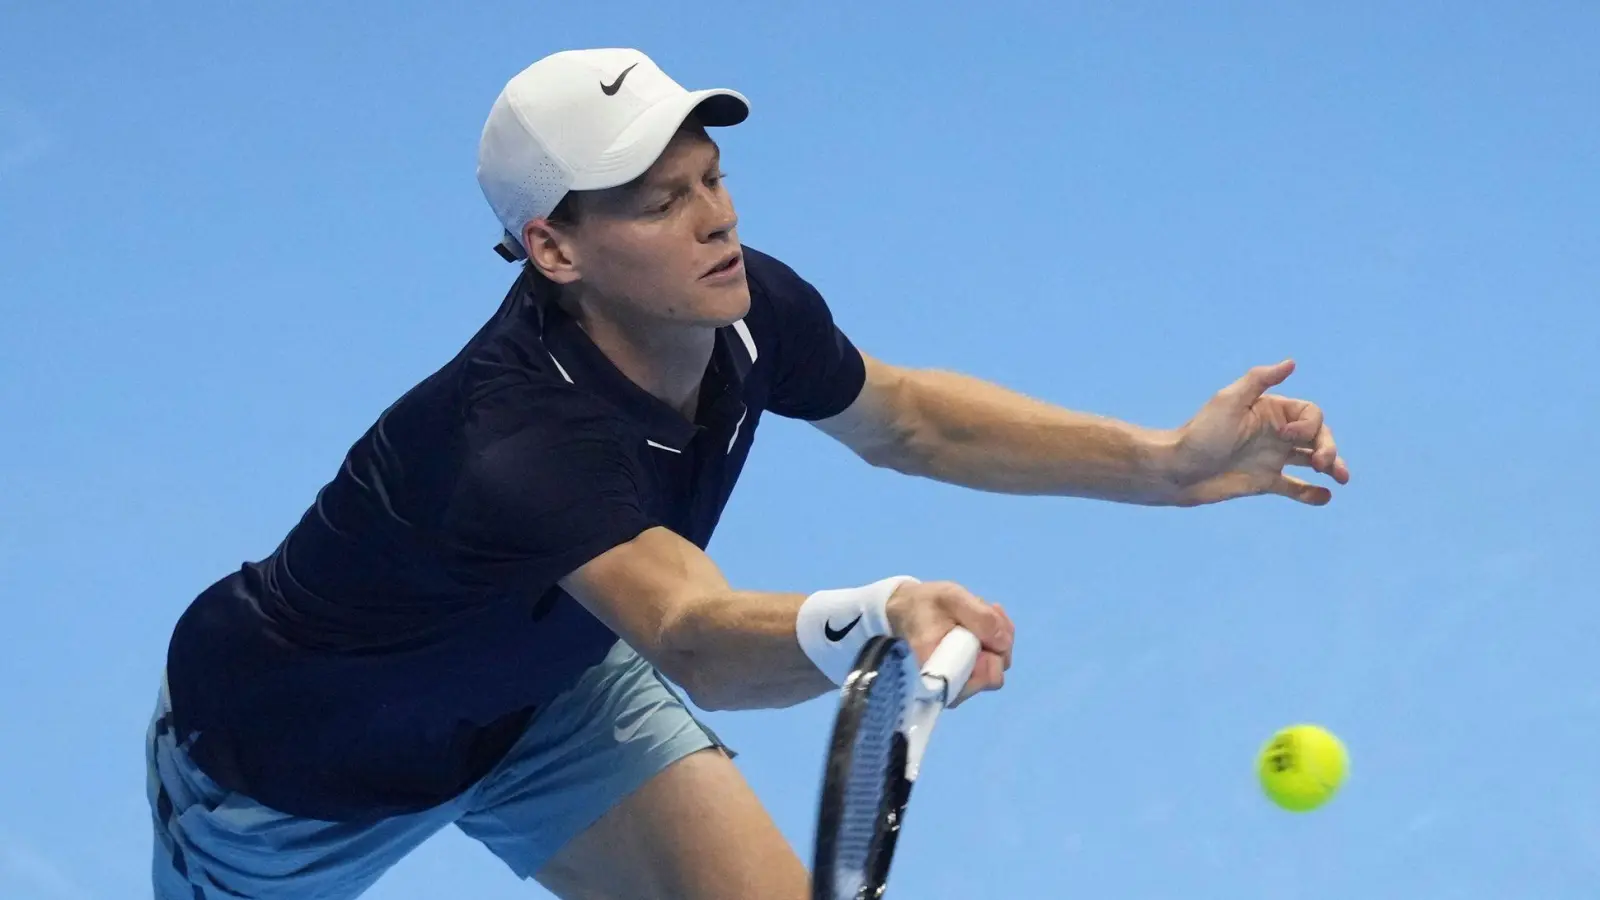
(739, 328)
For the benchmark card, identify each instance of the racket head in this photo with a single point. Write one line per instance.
(864, 788)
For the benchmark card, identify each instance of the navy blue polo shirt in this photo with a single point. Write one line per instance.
(396, 643)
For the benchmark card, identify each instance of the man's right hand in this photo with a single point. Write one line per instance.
(923, 613)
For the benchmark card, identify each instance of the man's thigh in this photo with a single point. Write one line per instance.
(616, 790)
(694, 832)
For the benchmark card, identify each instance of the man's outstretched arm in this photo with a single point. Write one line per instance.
(963, 430)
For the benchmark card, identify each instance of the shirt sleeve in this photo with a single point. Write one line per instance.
(817, 371)
(533, 506)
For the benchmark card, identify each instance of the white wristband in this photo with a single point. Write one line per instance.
(834, 625)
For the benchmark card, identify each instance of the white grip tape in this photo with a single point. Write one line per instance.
(833, 625)
(951, 664)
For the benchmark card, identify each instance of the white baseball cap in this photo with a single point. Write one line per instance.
(582, 120)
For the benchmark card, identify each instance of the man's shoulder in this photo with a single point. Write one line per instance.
(499, 411)
(813, 368)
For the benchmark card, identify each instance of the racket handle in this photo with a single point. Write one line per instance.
(951, 663)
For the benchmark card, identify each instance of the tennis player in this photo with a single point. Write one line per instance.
(477, 620)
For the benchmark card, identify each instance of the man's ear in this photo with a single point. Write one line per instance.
(550, 251)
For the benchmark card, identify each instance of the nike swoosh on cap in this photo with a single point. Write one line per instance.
(615, 86)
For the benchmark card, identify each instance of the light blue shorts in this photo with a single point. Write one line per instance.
(590, 748)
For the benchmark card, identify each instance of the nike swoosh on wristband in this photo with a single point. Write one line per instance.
(838, 635)
(615, 86)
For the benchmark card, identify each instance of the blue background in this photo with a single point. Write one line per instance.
(232, 236)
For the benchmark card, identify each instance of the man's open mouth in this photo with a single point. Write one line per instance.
(728, 264)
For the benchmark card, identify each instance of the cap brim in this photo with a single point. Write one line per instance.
(638, 147)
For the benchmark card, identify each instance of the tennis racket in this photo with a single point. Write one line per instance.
(887, 710)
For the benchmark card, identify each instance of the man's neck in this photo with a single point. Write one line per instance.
(667, 361)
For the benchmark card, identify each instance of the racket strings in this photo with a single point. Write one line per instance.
(871, 776)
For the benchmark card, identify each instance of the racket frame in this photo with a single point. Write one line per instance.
(930, 691)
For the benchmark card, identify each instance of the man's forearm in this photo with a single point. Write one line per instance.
(737, 650)
(729, 648)
(973, 433)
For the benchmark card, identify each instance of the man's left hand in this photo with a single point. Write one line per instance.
(1238, 444)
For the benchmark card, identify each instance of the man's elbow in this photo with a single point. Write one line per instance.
(901, 437)
(911, 454)
(898, 445)
(701, 684)
(678, 654)
(709, 695)
(714, 692)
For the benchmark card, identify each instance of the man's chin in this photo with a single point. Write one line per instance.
(724, 304)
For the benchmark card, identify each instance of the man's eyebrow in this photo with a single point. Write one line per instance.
(671, 183)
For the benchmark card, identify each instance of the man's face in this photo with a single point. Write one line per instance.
(664, 247)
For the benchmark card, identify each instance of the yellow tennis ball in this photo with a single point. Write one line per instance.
(1302, 767)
